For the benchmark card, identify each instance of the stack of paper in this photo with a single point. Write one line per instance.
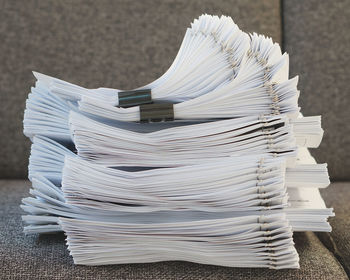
(209, 57)
(96, 187)
(216, 172)
(255, 82)
(253, 241)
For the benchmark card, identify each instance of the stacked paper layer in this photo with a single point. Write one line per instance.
(217, 172)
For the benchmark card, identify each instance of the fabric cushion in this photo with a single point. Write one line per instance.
(338, 241)
(316, 35)
(121, 44)
(46, 256)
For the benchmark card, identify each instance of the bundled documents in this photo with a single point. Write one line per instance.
(209, 163)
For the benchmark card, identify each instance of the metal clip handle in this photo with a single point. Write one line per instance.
(134, 97)
(157, 112)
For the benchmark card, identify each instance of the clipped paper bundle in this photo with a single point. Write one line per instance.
(256, 83)
(208, 163)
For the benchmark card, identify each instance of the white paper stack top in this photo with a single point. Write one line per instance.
(252, 80)
(260, 87)
(209, 57)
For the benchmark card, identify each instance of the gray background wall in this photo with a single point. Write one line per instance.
(317, 38)
(125, 44)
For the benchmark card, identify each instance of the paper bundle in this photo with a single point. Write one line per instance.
(208, 164)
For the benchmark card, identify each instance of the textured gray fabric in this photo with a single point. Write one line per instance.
(46, 256)
(316, 35)
(338, 241)
(122, 44)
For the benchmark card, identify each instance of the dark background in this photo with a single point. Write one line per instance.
(125, 44)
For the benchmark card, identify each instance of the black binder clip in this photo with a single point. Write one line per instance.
(134, 97)
(156, 112)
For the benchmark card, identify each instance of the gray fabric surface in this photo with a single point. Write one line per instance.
(338, 241)
(316, 35)
(46, 256)
(122, 44)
